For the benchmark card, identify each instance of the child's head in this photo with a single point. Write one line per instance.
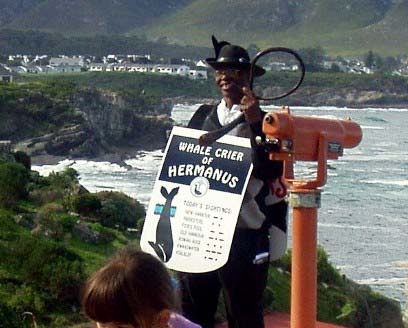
(133, 289)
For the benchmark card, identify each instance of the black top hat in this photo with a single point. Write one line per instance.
(227, 55)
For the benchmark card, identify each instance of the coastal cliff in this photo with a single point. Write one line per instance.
(113, 116)
(97, 124)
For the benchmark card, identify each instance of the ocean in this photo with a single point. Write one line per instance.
(363, 220)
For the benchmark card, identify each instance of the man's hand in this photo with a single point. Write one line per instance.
(250, 106)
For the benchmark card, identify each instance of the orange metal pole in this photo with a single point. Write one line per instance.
(304, 258)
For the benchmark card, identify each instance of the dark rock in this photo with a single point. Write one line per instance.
(85, 233)
(25, 220)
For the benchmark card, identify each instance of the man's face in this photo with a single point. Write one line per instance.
(230, 81)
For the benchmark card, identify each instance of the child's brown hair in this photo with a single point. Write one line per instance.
(131, 288)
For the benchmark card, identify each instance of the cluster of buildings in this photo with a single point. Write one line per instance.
(358, 66)
(19, 64)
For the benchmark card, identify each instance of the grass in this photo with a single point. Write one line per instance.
(95, 255)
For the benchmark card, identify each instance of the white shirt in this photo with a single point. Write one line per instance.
(227, 115)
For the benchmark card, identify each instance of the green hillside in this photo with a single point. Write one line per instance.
(345, 27)
(341, 27)
(54, 233)
(78, 17)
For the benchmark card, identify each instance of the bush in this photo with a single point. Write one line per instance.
(45, 195)
(65, 179)
(86, 204)
(47, 267)
(106, 234)
(140, 224)
(22, 158)
(25, 298)
(14, 178)
(120, 210)
(326, 272)
(8, 317)
(49, 221)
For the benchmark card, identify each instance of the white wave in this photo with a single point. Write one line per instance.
(182, 113)
(355, 227)
(368, 127)
(46, 170)
(82, 166)
(147, 161)
(398, 110)
(382, 281)
(381, 157)
(401, 183)
(341, 109)
(190, 109)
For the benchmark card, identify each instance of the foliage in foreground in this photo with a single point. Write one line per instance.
(47, 250)
(44, 251)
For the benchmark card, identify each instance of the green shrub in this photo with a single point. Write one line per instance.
(14, 178)
(140, 224)
(67, 222)
(120, 210)
(26, 298)
(22, 158)
(46, 195)
(65, 179)
(326, 272)
(8, 317)
(106, 234)
(86, 204)
(47, 267)
(37, 181)
(49, 221)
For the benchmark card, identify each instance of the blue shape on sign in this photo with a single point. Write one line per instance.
(158, 209)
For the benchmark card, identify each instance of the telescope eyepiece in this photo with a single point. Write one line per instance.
(269, 119)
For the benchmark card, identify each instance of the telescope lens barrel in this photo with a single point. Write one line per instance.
(305, 131)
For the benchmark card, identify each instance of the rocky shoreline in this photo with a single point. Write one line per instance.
(110, 129)
(114, 130)
(151, 134)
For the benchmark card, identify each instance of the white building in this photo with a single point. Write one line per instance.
(5, 75)
(141, 68)
(182, 70)
(67, 64)
(197, 74)
(97, 67)
(67, 61)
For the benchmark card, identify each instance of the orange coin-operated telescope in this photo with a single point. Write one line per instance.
(307, 138)
(293, 138)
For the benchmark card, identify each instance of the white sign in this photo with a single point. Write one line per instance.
(196, 201)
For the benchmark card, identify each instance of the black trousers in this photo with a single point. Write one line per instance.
(241, 282)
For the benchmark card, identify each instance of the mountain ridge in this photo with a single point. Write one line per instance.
(351, 27)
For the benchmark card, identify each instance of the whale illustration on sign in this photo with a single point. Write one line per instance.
(163, 246)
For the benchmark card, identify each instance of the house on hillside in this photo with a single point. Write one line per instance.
(5, 75)
(5, 146)
(125, 66)
(97, 67)
(197, 74)
(182, 70)
(202, 63)
(18, 69)
(67, 64)
(34, 69)
(141, 68)
(67, 61)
